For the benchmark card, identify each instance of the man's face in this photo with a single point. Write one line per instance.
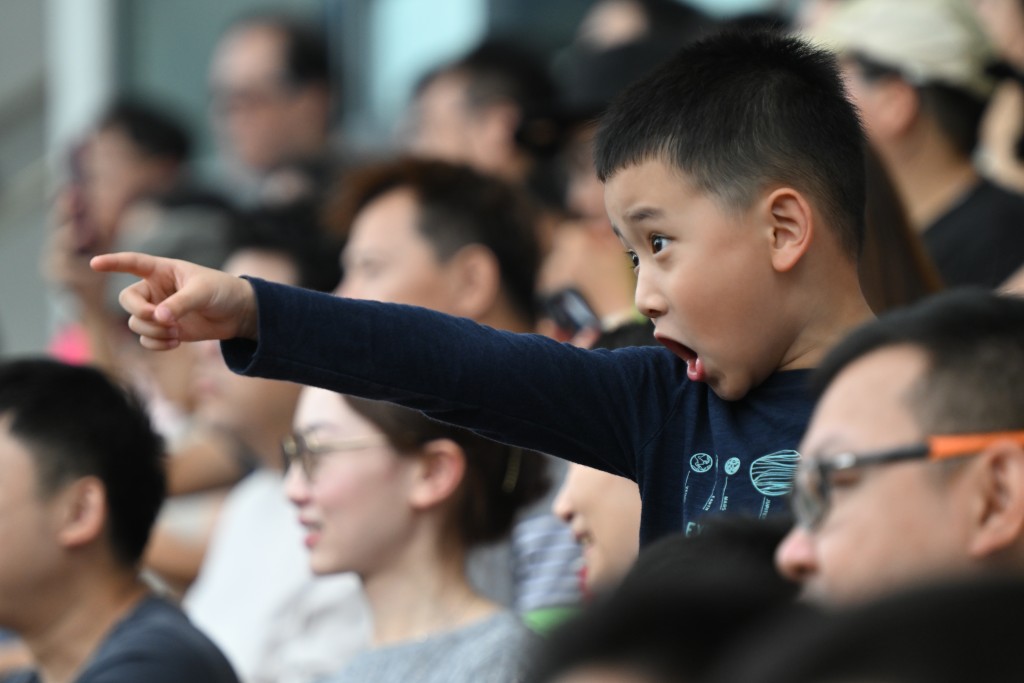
(255, 110)
(387, 259)
(116, 175)
(887, 524)
(703, 276)
(27, 529)
(448, 127)
(442, 122)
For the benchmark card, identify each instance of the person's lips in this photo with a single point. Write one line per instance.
(694, 365)
(313, 532)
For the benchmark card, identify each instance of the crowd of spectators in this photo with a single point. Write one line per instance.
(690, 355)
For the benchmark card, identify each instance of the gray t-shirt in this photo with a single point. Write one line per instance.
(155, 643)
(492, 650)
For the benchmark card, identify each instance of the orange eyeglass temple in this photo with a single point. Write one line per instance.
(952, 445)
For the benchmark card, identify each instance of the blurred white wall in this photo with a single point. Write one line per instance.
(23, 177)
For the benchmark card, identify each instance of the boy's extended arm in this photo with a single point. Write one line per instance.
(594, 407)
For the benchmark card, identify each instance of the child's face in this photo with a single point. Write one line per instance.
(704, 275)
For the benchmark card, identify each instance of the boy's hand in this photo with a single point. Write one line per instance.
(178, 301)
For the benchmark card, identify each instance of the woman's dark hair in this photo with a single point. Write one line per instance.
(895, 268)
(498, 481)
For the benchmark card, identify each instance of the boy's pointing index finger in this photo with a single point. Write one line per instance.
(140, 265)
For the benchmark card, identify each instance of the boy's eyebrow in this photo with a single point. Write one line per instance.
(643, 213)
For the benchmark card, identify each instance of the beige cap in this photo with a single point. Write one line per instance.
(927, 41)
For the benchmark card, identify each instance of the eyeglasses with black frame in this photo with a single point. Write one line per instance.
(812, 490)
(306, 450)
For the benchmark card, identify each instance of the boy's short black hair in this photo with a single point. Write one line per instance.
(154, 132)
(739, 112)
(974, 342)
(457, 207)
(76, 423)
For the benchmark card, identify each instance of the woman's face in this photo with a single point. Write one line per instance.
(355, 505)
(603, 511)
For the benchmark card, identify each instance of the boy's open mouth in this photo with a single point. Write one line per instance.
(694, 365)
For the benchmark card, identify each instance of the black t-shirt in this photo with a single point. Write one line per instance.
(980, 241)
(155, 643)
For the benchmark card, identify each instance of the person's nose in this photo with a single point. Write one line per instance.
(795, 557)
(296, 485)
(562, 506)
(648, 298)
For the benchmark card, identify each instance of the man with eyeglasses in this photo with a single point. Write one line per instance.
(913, 463)
(271, 101)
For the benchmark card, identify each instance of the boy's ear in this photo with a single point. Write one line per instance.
(792, 227)
(476, 281)
(82, 512)
(997, 521)
(441, 469)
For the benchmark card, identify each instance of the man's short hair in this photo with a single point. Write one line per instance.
(76, 423)
(307, 59)
(457, 207)
(740, 112)
(292, 231)
(974, 343)
(154, 132)
(499, 71)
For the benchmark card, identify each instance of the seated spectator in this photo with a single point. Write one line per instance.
(133, 151)
(913, 464)
(945, 633)
(917, 70)
(445, 237)
(584, 253)
(1001, 152)
(271, 100)
(684, 603)
(236, 426)
(399, 499)
(603, 509)
(254, 594)
(81, 480)
(472, 111)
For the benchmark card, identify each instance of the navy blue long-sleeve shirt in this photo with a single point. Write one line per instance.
(632, 412)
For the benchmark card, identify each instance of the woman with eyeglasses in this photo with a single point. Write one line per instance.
(399, 499)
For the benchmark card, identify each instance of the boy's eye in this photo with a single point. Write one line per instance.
(658, 242)
(633, 258)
